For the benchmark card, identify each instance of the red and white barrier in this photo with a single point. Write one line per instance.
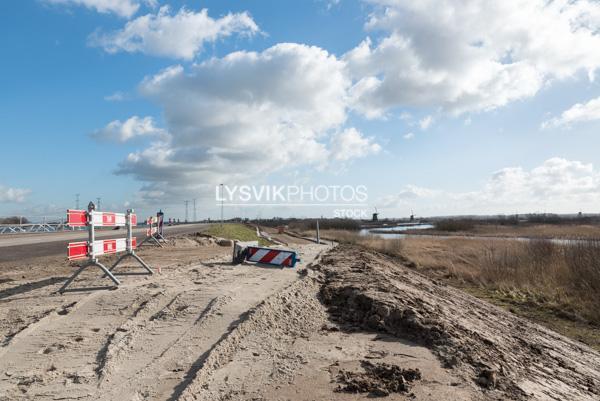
(77, 250)
(154, 230)
(271, 256)
(79, 218)
(111, 246)
(92, 248)
(80, 250)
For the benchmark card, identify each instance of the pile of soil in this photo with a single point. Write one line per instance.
(378, 379)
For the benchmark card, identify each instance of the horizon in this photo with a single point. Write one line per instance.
(381, 219)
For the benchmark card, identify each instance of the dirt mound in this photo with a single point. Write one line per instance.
(351, 304)
(508, 357)
(378, 379)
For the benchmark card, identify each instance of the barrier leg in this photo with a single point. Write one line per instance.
(117, 262)
(150, 271)
(148, 239)
(107, 273)
(136, 257)
(82, 268)
(70, 279)
(157, 241)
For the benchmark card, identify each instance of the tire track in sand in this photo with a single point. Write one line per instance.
(123, 335)
(181, 342)
(63, 347)
(161, 344)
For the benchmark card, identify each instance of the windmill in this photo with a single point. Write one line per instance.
(375, 218)
(412, 215)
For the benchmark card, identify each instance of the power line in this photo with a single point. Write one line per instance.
(195, 210)
(186, 210)
(221, 203)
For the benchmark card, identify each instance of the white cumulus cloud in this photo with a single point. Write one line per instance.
(122, 131)
(425, 122)
(247, 115)
(471, 55)
(557, 185)
(350, 143)
(13, 194)
(116, 97)
(181, 35)
(580, 112)
(123, 8)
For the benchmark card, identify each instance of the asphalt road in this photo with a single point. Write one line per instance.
(18, 247)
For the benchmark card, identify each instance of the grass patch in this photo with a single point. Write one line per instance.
(236, 231)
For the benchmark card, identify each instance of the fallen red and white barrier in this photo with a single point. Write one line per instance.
(92, 248)
(271, 256)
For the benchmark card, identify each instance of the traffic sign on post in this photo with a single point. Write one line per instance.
(160, 217)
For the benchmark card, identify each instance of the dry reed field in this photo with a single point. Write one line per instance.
(554, 284)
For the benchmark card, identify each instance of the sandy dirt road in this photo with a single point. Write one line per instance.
(145, 340)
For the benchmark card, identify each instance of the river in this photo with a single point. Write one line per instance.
(368, 231)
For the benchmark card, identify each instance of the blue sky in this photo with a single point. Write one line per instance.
(288, 93)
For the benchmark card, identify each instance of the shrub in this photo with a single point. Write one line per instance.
(13, 220)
